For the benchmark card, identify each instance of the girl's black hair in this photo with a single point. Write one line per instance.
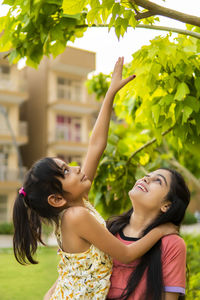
(29, 210)
(179, 196)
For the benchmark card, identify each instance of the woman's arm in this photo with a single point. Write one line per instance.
(86, 227)
(98, 139)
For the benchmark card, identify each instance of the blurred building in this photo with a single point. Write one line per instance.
(60, 114)
(59, 110)
(13, 134)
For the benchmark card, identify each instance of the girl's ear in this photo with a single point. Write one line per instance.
(165, 206)
(56, 200)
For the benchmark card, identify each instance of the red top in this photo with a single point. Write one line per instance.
(173, 265)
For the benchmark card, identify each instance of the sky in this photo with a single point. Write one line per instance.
(107, 46)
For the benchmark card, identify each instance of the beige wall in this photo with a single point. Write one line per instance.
(75, 57)
(34, 111)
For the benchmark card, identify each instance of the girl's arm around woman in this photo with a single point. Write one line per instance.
(86, 227)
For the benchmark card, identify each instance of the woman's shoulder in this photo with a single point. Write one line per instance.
(173, 238)
(173, 243)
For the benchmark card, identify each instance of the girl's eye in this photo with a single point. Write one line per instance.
(65, 171)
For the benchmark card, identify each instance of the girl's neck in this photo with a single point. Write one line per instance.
(77, 202)
(137, 223)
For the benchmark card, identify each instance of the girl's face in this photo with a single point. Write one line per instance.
(75, 183)
(149, 192)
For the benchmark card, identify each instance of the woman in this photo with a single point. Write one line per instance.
(161, 196)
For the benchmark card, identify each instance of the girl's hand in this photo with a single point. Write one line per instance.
(117, 82)
(168, 228)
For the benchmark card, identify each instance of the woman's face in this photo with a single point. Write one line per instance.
(148, 193)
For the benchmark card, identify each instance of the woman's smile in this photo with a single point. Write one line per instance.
(142, 186)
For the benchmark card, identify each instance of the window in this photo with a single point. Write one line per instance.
(69, 89)
(3, 162)
(4, 69)
(3, 122)
(3, 208)
(4, 72)
(77, 93)
(64, 88)
(68, 128)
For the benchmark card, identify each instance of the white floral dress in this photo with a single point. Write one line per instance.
(83, 275)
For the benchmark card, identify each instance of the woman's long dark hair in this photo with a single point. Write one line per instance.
(179, 196)
(29, 210)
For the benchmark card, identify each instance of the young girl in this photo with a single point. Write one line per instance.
(57, 192)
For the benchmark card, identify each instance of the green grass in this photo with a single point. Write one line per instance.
(30, 282)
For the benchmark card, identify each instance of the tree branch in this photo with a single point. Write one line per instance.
(148, 144)
(167, 12)
(144, 15)
(155, 27)
(172, 29)
(186, 172)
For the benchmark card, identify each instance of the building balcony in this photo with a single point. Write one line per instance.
(12, 90)
(74, 61)
(9, 175)
(70, 106)
(9, 96)
(63, 146)
(21, 137)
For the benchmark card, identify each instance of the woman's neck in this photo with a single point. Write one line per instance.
(137, 223)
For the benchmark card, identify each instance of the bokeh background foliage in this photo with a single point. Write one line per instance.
(156, 122)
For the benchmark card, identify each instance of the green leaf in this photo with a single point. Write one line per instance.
(182, 91)
(144, 159)
(108, 3)
(132, 21)
(9, 2)
(94, 3)
(91, 16)
(156, 113)
(192, 102)
(116, 10)
(57, 48)
(14, 57)
(72, 7)
(197, 84)
(186, 113)
(118, 31)
(98, 198)
(56, 2)
(2, 23)
(168, 99)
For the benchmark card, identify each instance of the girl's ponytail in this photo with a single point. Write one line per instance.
(27, 233)
(31, 208)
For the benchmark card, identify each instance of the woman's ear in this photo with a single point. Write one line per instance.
(165, 206)
(56, 200)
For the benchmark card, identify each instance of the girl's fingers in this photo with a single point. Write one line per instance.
(126, 80)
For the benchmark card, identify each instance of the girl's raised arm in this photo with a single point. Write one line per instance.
(85, 226)
(98, 139)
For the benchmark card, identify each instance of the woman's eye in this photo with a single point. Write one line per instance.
(159, 180)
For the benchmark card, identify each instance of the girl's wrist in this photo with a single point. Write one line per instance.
(159, 231)
(112, 92)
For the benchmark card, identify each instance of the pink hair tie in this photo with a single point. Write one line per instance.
(22, 191)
